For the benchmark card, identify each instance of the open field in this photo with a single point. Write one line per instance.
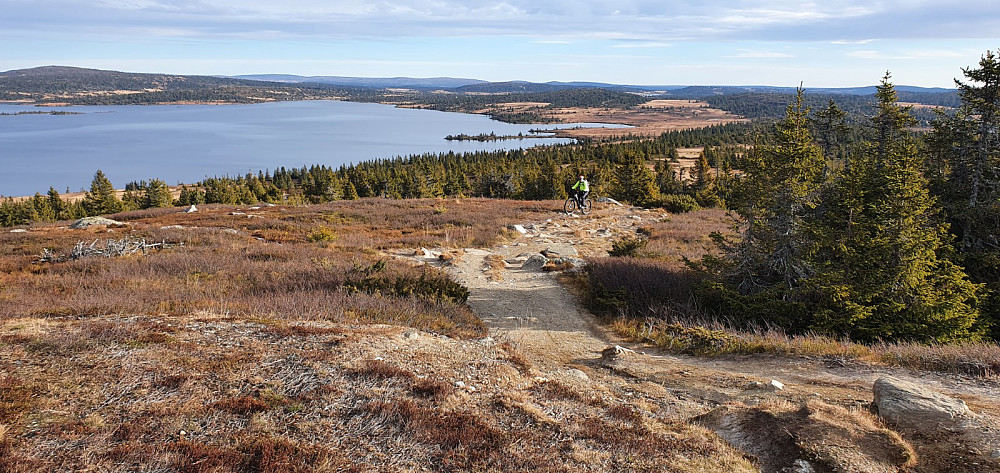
(650, 119)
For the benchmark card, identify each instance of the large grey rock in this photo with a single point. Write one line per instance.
(534, 262)
(911, 406)
(89, 221)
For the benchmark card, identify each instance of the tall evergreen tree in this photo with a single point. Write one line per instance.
(156, 194)
(965, 173)
(101, 199)
(634, 182)
(881, 275)
(779, 189)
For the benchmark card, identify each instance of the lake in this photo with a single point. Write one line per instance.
(186, 143)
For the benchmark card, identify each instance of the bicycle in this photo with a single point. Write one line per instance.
(572, 205)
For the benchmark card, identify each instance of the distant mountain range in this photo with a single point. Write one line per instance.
(64, 79)
(460, 85)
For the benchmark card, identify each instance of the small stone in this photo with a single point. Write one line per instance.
(995, 455)
(182, 433)
(776, 385)
(578, 374)
(519, 229)
(802, 466)
(459, 384)
(237, 213)
(535, 262)
(191, 209)
(19, 230)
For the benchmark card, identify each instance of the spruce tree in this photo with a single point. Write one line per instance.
(634, 182)
(156, 194)
(965, 173)
(101, 199)
(777, 192)
(881, 275)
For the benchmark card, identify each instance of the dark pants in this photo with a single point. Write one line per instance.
(580, 196)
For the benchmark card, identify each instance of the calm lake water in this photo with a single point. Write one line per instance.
(186, 143)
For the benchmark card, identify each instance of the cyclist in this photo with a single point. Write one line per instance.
(582, 188)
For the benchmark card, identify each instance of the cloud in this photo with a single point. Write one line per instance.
(743, 53)
(839, 21)
(642, 44)
(921, 54)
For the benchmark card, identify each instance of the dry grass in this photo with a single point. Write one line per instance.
(256, 344)
(494, 267)
(651, 299)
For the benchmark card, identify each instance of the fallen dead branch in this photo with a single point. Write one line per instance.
(110, 249)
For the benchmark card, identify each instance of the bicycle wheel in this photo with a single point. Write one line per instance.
(587, 204)
(570, 206)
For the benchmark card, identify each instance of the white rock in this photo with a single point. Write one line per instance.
(411, 335)
(88, 221)
(171, 227)
(776, 385)
(459, 384)
(802, 466)
(191, 209)
(519, 229)
(578, 374)
(19, 230)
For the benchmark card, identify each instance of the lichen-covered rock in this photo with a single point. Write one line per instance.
(911, 406)
(90, 221)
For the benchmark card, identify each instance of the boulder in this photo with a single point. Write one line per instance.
(534, 262)
(90, 221)
(608, 200)
(911, 406)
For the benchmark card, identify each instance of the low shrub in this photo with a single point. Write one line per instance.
(627, 246)
(679, 203)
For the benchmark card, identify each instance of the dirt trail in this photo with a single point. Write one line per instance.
(546, 321)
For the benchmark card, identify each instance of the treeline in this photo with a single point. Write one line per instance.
(773, 104)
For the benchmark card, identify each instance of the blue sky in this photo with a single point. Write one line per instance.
(821, 44)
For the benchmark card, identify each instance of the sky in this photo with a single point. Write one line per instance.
(833, 43)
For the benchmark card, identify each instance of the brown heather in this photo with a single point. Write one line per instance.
(275, 343)
(650, 299)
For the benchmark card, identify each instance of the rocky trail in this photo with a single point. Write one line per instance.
(787, 414)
